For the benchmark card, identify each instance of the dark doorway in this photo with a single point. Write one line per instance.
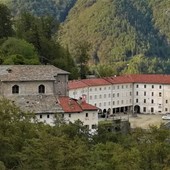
(137, 109)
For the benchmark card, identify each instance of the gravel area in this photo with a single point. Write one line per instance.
(144, 121)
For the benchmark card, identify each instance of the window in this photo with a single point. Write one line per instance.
(90, 89)
(91, 97)
(117, 87)
(137, 93)
(40, 116)
(144, 93)
(152, 101)
(122, 87)
(100, 96)
(137, 86)
(113, 102)
(166, 101)
(122, 101)
(136, 100)
(160, 94)
(113, 95)
(118, 102)
(104, 95)
(87, 114)
(93, 126)
(87, 126)
(152, 86)
(104, 103)
(15, 89)
(48, 116)
(100, 88)
(69, 115)
(152, 109)
(144, 101)
(100, 104)
(117, 94)
(166, 109)
(144, 109)
(152, 93)
(109, 95)
(41, 89)
(160, 86)
(130, 93)
(95, 89)
(145, 86)
(95, 96)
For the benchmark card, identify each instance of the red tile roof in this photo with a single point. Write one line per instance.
(151, 78)
(70, 105)
(75, 84)
(134, 78)
(96, 82)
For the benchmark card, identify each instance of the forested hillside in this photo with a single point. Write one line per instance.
(122, 36)
(134, 33)
(56, 8)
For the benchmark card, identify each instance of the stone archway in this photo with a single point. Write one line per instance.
(137, 109)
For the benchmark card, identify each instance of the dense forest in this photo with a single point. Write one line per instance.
(125, 36)
(56, 8)
(122, 36)
(28, 39)
(25, 145)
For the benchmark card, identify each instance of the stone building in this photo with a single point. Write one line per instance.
(37, 89)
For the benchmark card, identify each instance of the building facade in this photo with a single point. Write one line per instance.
(142, 93)
(37, 89)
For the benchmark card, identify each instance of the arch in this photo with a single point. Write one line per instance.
(15, 89)
(41, 89)
(137, 109)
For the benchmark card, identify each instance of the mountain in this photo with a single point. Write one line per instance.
(56, 8)
(119, 29)
(121, 33)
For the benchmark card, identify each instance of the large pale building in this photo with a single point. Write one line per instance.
(142, 93)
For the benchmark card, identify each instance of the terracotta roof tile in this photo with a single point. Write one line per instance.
(70, 105)
(96, 82)
(76, 84)
(133, 78)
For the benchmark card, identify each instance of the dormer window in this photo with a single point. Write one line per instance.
(41, 89)
(15, 89)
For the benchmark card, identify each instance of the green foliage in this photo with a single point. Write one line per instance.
(26, 145)
(5, 22)
(119, 31)
(17, 51)
(56, 8)
(40, 32)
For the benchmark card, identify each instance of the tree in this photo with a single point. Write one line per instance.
(17, 51)
(82, 58)
(5, 22)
